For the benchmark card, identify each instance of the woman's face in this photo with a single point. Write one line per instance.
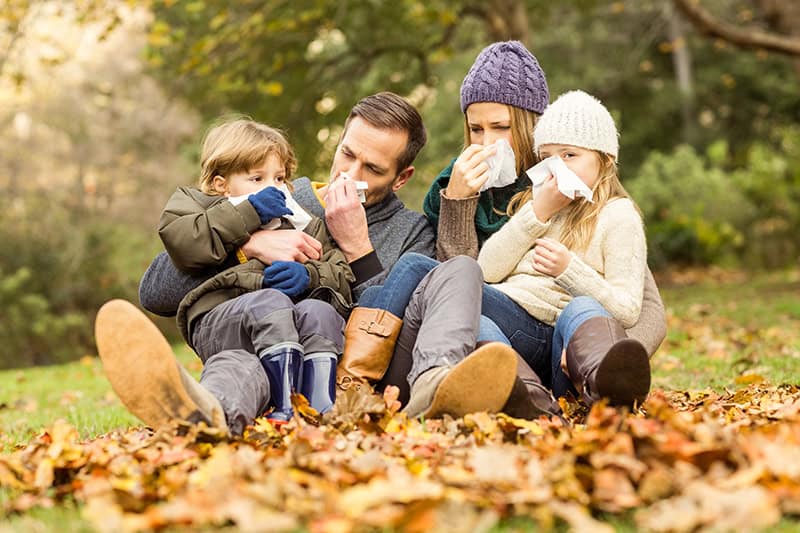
(585, 163)
(488, 122)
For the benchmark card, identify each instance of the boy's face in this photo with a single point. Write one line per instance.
(270, 174)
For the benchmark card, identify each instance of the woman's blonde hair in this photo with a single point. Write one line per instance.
(239, 145)
(580, 215)
(522, 124)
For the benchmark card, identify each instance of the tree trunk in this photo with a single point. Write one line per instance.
(682, 65)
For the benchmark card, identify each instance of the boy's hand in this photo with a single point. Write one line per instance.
(290, 278)
(550, 257)
(269, 203)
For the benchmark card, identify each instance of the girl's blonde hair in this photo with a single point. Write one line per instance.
(239, 145)
(522, 124)
(580, 215)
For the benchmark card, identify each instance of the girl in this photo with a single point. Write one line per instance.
(592, 255)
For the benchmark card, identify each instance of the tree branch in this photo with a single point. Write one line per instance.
(706, 23)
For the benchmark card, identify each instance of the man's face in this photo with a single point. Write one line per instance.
(369, 154)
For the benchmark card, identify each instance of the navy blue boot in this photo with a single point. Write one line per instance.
(319, 380)
(284, 366)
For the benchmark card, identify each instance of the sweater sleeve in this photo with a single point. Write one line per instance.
(456, 233)
(199, 234)
(651, 328)
(163, 286)
(624, 252)
(503, 251)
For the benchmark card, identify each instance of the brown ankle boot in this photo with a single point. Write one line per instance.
(604, 363)
(369, 339)
(529, 398)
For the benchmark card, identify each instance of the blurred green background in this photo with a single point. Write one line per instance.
(103, 105)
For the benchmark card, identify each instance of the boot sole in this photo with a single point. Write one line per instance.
(624, 374)
(140, 365)
(481, 382)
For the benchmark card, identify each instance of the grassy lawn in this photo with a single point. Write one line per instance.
(722, 333)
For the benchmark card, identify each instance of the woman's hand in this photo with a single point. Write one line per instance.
(470, 172)
(548, 200)
(550, 257)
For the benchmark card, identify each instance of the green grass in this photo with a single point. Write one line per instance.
(718, 332)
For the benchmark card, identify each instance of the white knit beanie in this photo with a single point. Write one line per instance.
(577, 119)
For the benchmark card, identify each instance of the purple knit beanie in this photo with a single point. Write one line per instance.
(506, 73)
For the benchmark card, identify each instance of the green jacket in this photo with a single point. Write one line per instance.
(200, 230)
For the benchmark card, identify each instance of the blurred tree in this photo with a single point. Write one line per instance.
(780, 16)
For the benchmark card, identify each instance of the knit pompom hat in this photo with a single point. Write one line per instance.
(506, 73)
(577, 119)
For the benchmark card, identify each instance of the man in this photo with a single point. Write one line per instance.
(382, 136)
(381, 139)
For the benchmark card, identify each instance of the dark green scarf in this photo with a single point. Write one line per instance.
(487, 218)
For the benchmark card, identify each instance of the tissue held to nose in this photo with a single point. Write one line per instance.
(569, 184)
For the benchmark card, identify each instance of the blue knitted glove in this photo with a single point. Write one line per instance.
(289, 277)
(269, 203)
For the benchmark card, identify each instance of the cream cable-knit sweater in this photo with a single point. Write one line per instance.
(611, 269)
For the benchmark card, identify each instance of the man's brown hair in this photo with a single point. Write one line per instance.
(389, 111)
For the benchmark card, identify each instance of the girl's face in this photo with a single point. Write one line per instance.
(271, 173)
(585, 163)
(488, 122)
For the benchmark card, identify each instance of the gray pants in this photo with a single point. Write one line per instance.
(440, 325)
(230, 338)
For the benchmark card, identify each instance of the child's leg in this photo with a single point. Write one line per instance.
(602, 361)
(321, 332)
(261, 323)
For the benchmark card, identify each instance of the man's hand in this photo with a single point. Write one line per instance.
(550, 257)
(346, 219)
(269, 246)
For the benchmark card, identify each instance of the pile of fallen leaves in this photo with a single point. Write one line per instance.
(683, 462)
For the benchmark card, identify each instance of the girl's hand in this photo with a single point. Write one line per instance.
(470, 172)
(550, 257)
(548, 200)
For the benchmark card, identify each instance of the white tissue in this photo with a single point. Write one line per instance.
(568, 182)
(299, 218)
(361, 186)
(502, 166)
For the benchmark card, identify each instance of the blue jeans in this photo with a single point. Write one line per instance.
(400, 284)
(530, 337)
(578, 311)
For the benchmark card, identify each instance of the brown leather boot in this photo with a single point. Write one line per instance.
(603, 362)
(529, 398)
(369, 339)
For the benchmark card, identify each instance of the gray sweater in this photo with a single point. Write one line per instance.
(393, 230)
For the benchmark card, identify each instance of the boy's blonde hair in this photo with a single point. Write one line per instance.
(239, 145)
(581, 216)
